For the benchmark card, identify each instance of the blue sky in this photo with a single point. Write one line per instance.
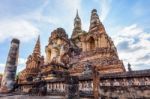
(126, 21)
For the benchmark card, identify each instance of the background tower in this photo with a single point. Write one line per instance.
(77, 25)
(8, 79)
(33, 63)
(37, 48)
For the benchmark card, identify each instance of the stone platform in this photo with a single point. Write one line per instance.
(31, 97)
(34, 97)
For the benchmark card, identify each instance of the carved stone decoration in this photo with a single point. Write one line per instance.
(57, 51)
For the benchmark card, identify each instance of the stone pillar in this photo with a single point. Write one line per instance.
(72, 87)
(96, 82)
(8, 79)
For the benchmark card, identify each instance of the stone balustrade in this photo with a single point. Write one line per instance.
(117, 83)
(85, 86)
(56, 87)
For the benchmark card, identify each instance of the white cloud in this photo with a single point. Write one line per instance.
(105, 6)
(17, 28)
(55, 12)
(2, 65)
(24, 26)
(22, 61)
(132, 42)
(131, 31)
(37, 15)
(67, 6)
(71, 5)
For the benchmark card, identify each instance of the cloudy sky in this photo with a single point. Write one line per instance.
(126, 21)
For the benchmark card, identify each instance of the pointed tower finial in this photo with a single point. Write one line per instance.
(37, 48)
(77, 25)
(77, 15)
(95, 23)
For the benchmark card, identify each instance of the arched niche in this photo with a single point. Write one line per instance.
(91, 43)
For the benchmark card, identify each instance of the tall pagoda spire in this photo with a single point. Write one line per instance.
(37, 48)
(77, 25)
(77, 15)
(95, 22)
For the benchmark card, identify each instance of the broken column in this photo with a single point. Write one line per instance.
(96, 82)
(8, 80)
(72, 87)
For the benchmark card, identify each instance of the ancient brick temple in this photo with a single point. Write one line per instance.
(85, 65)
(94, 47)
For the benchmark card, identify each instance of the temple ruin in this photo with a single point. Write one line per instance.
(86, 65)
